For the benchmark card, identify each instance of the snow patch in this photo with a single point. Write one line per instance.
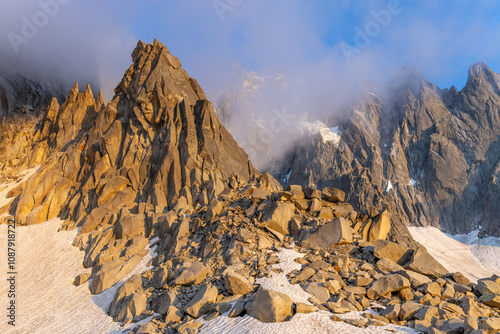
(412, 182)
(287, 177)
(389, 186)
(47, 301)
(279, 282)
(327, 134)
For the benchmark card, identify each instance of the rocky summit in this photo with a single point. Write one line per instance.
(155, 167)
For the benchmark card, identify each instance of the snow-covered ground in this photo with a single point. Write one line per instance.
(475, 258)
(47, 301)
(316, 322)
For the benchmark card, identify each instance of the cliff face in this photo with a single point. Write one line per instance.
(23, 101)
(157, 140)
(21, 94)
(431, 155)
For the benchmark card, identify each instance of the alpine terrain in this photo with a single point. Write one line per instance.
(184, 235)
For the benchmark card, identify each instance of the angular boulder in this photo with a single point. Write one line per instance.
(381, 227)
(416, 279)
(423, 263)
(271, 306)
(490, 300)
(333, 194)
(202, 302)
(392, 251)
(132, 307)
(387, 284)
(80, 279)
(160, 277)
(130, 226)
(487, 287)
(334, 233)
(319, 291)
(278, 216)
(237, 284)
(195, 274)
(388, 265)
(491, 325)
(111, 272)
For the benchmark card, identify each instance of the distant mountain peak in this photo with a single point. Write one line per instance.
(481, 75)
(479, 70)
(409, 78)
(480, 66)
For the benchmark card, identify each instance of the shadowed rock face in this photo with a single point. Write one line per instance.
(444, 141)
(157, 140)
(21, 94)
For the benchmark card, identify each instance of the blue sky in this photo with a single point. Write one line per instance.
(92, 40)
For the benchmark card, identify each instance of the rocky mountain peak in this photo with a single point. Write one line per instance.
(155, 74)
(481, 76)
(479, 69)
(157, 141)
(61, 124)
(408, 80)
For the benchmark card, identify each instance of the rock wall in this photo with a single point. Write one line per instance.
(438, 149)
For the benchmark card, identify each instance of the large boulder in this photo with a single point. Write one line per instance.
(386, 285)
(333, 194)
(491, 325)
(165, 301)
(416, 279)
(488, 287)
(237, 284)
(132, 285)
(112, 272)
(133, 307)
(296, 191)
(129, 302)
(195, 274)
(271, 306)
(388, 265)
(423, 263)
(318, 291)
(202, 302)
(392, 251)
(381, 227)
(409, 309)
(334, 233)
(491, 300)
(160, 277)
(278, 216)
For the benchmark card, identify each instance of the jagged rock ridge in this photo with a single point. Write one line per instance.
(156, 141)
(438, 149)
